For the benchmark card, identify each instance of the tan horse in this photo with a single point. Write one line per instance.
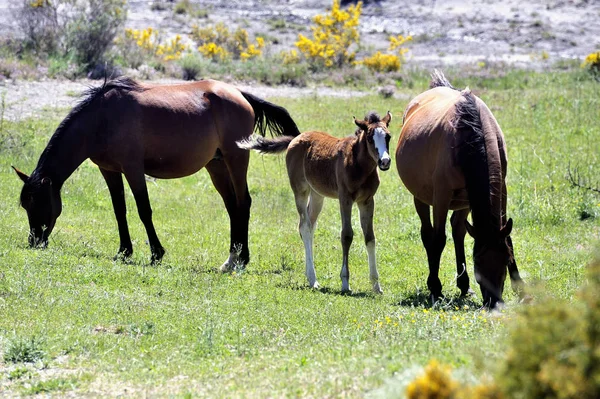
(319, 166)
(167, 132)
(451, 155)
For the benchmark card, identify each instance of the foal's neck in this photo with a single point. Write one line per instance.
(66, 150)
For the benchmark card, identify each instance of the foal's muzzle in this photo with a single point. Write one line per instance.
(384, 163)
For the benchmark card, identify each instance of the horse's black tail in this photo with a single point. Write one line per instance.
(266, 146)
(271, 117)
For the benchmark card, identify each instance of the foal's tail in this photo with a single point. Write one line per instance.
(266, 146)
(271, 117)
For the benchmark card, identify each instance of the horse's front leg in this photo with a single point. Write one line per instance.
(346, 236)
(114, 181)
(459, 230)
(366, 210)
(137, 182)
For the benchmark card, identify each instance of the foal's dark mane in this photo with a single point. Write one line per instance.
(371, 117)
(472, 154)
(122, 84)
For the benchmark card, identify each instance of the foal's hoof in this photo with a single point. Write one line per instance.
(377, 288)
(315, 285)
(435, 298)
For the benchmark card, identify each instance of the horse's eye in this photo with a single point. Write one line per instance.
(370, 139)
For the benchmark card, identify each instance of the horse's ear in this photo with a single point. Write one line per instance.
(505, 231)
(387, 119)
(470, 228)
(21, 175)
(361, 124)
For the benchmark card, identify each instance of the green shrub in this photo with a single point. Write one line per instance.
(555, 347)
(39, 24)
(191, 66)
(93, 29)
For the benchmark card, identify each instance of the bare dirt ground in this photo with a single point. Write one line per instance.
(446, 32)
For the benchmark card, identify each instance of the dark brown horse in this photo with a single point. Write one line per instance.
(319, 166)
(131, 129)
(451, 155)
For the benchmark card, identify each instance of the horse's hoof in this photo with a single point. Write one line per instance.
(377, 289)
(468, 292)
(157, 256)
(315, 285)
(123, 255)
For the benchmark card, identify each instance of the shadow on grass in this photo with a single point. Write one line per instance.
(324, 290)
(422, 299)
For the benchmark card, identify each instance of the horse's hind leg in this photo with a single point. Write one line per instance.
(114, 181)
(366, 210)
(346, 237)
(137, 182)
(515, 278)
(234, 191)
(306, 227)
(459, 230)
(434, 241)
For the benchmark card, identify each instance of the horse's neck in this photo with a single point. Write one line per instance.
(66, 150)
(361, 156)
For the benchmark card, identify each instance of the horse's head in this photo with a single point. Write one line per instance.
(42, 202)
(491, 256)
(378, 137)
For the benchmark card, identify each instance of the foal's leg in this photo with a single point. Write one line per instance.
(459, 230)
(346, 236)
(137, 182)
(114, 181)
(306, 229)
(219, 174)
(366, 210)
(434, 240)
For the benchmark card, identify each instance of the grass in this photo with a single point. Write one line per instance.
(183, 329)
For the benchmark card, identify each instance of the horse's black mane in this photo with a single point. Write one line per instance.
(123, 84)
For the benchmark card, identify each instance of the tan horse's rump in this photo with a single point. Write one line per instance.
(165, 131)
(451, 155)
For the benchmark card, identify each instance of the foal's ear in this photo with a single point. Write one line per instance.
(470, 228)
(505, 231)
(387, 119)
(361, 124)
(21, 175)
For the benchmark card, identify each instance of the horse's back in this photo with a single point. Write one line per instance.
(311, 159)
(177, 129)
(425, 155)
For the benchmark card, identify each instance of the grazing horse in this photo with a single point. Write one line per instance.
(164, 131)
(451, 155)
(319, 166)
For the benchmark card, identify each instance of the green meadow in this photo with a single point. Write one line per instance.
(75, 322)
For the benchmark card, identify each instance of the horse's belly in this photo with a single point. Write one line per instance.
(168, 165)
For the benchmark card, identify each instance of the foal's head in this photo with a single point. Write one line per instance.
(42, 202)
(378, 137)
(491, 255)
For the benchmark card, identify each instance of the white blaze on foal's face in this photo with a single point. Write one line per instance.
(381, 140)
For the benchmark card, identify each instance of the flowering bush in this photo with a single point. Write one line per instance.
(380, 62)
(219, 44)
(333, 36)
(139, 45)
(592, 63)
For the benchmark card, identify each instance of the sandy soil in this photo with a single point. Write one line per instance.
(448, 32)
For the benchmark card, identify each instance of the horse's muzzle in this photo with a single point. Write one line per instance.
(37, 242)
(385, 163)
